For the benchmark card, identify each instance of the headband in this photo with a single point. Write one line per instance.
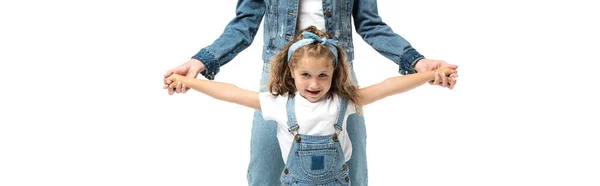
(310, 38)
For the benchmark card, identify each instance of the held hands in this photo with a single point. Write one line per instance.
(445, 77)
(191, 68)
(175, 80)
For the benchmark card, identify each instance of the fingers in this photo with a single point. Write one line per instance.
(452, 83)
(436, 81)
(451, 71)
(454, 75)
(167, 82)
(184, 88)
(168, 73)
(454, 67)
(173, 87)
(169, 88)
(166, 77)
(444, 79)
(446, 75)
(171, 91)
(170, 84)
(178, 85)
(444, 63)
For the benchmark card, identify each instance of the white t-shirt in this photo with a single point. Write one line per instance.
(310, 12)
(313, 118)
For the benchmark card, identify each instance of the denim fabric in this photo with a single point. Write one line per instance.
(280, 27)
(315, 160)
(266, 164)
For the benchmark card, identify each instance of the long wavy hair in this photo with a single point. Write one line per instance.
(282, 83)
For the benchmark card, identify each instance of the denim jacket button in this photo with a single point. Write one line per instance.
(328, 13)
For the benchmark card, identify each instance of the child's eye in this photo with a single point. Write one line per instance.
(305, 74)
(322, 75)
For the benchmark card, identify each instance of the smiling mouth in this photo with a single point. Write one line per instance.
(313, 92)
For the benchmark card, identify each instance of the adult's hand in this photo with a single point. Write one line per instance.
(191, 68)
(444, 80)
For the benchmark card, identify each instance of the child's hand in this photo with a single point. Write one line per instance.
(175, 78)
(444, 71)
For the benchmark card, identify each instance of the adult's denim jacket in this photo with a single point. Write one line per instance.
(280, 26)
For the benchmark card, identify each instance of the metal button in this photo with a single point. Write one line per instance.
(328, 13)
(335, 138)
(286, 171)
(347, 179)
(298, 138)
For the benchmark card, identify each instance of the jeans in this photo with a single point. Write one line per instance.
(266, 163)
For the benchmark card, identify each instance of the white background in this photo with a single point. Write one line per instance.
(82, 100)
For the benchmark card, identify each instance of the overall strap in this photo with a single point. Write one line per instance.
(342, 113)
(291, 113)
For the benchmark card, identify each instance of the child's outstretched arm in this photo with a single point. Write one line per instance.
(399, 84)
(222, 91)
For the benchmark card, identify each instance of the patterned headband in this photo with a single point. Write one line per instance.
(310, 38)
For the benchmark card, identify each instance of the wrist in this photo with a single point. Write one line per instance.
(419, 66)
(200, 63)
(431, 75)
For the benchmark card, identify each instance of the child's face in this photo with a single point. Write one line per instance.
(312, 77)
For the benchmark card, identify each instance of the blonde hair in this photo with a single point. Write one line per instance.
(281, 81)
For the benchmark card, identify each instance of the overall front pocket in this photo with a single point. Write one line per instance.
(318, 163)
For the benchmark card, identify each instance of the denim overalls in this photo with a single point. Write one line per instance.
(279, 19)
(315, 160)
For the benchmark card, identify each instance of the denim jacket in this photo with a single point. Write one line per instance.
(280, 26)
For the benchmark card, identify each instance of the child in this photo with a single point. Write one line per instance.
(310, 96)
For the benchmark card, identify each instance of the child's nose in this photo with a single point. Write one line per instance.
(314, 83)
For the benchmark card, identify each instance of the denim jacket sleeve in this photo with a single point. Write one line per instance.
(382, 38)
(237, 36)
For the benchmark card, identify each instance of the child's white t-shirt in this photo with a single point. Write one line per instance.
(313, 118)
(310, 12)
